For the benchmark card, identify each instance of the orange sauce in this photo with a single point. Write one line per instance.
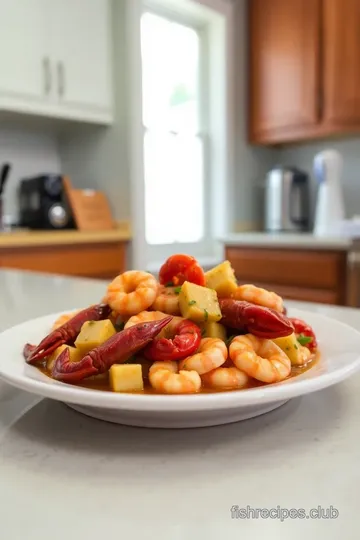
(102, 383)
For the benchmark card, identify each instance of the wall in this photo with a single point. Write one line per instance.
(31, 152)
(96, 157)
(251, 163)
(303, 155)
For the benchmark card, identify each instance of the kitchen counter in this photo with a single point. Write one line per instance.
(64, 475)
(21, 238)
(288, 240)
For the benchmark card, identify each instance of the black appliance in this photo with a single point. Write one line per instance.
(43, 203)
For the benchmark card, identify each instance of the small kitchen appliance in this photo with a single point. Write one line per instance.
(43, 203)
(330, 208)
(287, 200)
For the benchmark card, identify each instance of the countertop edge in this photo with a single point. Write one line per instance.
(24, 239)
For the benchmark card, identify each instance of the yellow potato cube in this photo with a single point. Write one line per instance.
(93, 334)
(199, 304)
(222, 279)
(75, 356)
(213, 330)
(290, 346)
(126, 378)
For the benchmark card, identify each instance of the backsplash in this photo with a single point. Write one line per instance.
(303, 155)
(30, 153)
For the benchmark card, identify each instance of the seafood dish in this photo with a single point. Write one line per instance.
(186, 332)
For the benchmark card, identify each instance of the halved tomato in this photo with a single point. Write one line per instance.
(179, 268)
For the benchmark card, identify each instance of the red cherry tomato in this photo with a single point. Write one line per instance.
(186, 341)
(304, 329)
(180, 268)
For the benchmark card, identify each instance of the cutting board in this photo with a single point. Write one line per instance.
(90, 208)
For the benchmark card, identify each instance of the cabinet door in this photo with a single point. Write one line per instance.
(284, 65)
(81, 41)
(342, 61)
(23, 54)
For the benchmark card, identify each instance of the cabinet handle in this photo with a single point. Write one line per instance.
(47, 75)
(61, 77)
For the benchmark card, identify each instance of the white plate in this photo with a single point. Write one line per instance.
(340, 358)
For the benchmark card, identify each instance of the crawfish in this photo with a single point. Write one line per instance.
(260, 321)
(66, 333)
(116, 350)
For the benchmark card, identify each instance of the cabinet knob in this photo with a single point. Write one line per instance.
(61, 79)
(47, 75)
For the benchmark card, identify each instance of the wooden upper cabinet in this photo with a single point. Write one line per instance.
(284, 66)
(341, 61)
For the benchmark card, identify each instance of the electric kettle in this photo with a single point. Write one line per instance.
(287, 200)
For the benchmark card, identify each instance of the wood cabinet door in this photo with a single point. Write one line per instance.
(342, 61)
(284, 65)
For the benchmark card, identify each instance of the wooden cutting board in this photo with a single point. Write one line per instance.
(91, 209)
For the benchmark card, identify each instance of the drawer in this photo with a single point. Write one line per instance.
(310, 269)
(99, 261)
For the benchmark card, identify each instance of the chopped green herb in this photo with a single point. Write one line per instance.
(177, 290)
(203, 332)
(192, 302)
(170, 284)
(206, 314)
(303, 340)
(296, 347)
(229, 340)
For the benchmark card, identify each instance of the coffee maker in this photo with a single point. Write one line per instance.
(43, 204)
(287, 200)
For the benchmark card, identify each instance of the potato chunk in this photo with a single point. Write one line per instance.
(126, 378)
(290, 346)
(93, 334)
(221, 279)
(199, 304)
(213, 330)
(75, 356)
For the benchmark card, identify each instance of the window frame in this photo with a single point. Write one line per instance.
(219, 25)
(202, 133)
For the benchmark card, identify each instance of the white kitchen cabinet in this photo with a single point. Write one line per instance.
(56, 59)
(81, 50)
(22, 50)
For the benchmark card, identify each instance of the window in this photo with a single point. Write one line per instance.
(174, 150)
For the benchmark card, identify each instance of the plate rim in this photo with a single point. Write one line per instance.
(177, 403)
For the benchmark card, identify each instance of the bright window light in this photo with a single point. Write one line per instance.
(173, 142)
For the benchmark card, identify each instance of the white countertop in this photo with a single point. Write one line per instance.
(288, 240)
(63, 475)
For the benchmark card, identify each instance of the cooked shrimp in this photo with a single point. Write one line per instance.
(303, 356)
(131, 292)
(225, 378)
(212, 354)
(259, 296)
(63, 319)
(148, 316)
(167, 301)
(164, 377)
(260, 358)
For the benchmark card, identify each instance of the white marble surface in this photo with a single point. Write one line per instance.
(66, 476)
(289, 240)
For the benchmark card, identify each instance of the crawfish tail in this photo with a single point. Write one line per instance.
(260, 321)
(121, 346)
(68, 331)
(115, 350)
